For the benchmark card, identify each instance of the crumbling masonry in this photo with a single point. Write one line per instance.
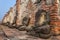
(34, 12)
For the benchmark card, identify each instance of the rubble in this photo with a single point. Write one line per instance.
(20, 35)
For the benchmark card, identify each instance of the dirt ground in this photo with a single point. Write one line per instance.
(14, 34)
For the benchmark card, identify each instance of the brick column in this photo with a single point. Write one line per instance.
(18, 19)
(21, 11)
(31, 7)
(55, 18)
